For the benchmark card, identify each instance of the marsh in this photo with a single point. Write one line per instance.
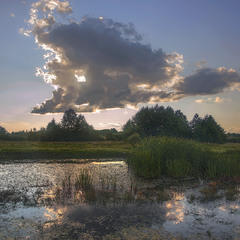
(115, 205)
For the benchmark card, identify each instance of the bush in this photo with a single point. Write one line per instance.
(133, 139)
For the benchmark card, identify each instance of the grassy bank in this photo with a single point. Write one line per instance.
(153, 157)
(61, 150)
(172, 157)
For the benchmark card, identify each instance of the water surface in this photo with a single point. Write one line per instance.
(118, 205)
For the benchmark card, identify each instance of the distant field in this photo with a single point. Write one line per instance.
(61, 150)
(224, 147)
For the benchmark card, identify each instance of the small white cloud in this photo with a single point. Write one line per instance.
(219, 100)
(80, 78)
(200, 63)
(200, 101)
(24, 32)
(210, 100)
(111, 125)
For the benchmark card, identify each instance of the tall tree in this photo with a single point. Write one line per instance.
(207, 129)
(69, 120)
(155, 121)
(129, 128)
(3, 133)
(195, 121)
(75, 126)
(3, 130)
(81, 124)
(53, 132)
(51, 125)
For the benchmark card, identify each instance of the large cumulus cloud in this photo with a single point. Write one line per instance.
(99, 64)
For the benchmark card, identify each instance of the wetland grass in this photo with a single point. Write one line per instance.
(231, 193)
(209, 193)
(84, 179)
(103, 190)
(178, 158)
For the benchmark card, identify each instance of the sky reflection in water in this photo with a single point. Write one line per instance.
(133, 208)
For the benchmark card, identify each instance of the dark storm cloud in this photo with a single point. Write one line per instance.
(208, 81)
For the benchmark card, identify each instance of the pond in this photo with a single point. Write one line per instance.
(104, 200)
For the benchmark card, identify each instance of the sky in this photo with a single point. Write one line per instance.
(106, 59)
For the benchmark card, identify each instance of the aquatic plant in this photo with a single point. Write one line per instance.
(67, 185)
(231, 193)
(209, 193)
(83, 179)
(174, 157)
(166, 156)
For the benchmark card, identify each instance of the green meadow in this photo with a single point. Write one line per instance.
(62, 150)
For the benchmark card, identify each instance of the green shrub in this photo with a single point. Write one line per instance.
(133, 139)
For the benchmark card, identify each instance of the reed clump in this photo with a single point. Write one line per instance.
(174, 157)
(84, 179)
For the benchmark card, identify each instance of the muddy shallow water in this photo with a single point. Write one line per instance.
(41, 201)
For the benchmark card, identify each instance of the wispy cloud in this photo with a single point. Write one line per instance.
(211, 100)
(200, 63)
(25, 32)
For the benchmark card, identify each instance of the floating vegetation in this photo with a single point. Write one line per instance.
(10, 196)
(179, 158)
(209, 193)
(231, 193)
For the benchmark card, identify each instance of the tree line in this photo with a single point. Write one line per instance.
(72, 127)
(160, 121)
(148, 121)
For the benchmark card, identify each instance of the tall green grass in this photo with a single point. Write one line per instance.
(84, 179)
(174, 157)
